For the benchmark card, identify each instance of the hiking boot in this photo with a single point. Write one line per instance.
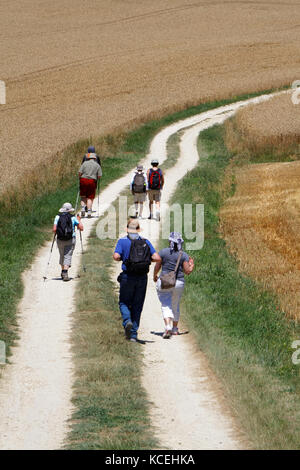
(175, 331)
(167, 334)
(128, 329)
(82, 212)
(65, 276)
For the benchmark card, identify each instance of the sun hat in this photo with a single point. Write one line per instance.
(133, 226)
(91, 149)
(175, 237)
(154, 162)
(67, 207)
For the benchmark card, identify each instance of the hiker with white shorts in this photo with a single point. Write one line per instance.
(174, 264)
(64, 228)
(138, 188)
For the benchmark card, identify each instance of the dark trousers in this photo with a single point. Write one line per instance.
(131, 299)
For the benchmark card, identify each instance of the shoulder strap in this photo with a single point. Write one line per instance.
(178, 261)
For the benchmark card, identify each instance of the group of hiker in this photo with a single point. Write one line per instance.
(135, 252)
(151, 184)
(65, 223)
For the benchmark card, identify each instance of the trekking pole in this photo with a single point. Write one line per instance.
(83, 266)
(77, 199)
(98, 196)
(45, 277)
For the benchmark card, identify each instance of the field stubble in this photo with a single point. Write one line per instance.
(261, 222)
(72, 73)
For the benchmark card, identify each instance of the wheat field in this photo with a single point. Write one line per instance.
(272, 126)
(261, 222)
(79, 69)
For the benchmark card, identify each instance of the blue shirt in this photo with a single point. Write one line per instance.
(74, 223)
(123, 249)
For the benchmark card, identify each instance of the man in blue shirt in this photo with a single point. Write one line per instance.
(133, 285)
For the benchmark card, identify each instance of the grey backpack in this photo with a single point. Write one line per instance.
(139, 183)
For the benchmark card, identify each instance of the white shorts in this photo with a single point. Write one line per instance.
(170, 299)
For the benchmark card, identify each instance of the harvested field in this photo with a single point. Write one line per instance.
(261, 225)
(272, 126)
(79, 69)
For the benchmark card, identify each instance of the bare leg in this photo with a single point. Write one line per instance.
(141, 208)
(83, 204)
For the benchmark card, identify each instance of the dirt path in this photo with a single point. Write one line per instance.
(36, 389)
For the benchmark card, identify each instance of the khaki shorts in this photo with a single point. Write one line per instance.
(154, 195)
(66, 248)
(139, 197)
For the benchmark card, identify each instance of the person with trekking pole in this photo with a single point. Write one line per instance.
(89, 174)
(155, 182)
(91, 149)
(174, 264)
(138, 188)
(64, 229)
(136, 254)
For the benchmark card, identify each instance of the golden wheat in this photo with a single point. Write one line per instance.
(261, 225)
(270, 126)
(81, 71)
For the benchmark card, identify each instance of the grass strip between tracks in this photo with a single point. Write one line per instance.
(237, 324)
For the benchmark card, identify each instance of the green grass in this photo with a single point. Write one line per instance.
(237, 324)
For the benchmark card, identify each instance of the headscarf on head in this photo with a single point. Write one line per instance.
(175, 238)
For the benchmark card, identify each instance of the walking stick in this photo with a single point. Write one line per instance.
(77, 201)
(98, 184)
(45, 277)
(83, 266)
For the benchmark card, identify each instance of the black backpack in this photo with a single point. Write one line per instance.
(139, 183)
(155, 179)
(139, 258)
(85, 159)
(64, 228)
